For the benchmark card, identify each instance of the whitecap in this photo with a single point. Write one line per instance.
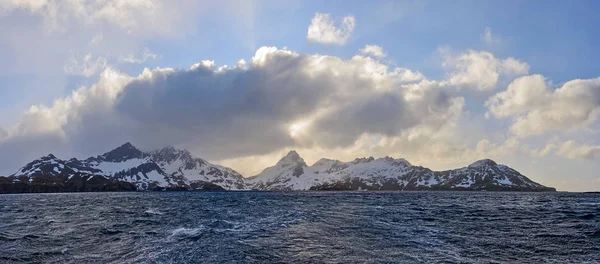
(153, 212)
(183, 232)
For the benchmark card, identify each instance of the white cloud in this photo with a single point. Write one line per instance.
(522, 94)
(480, 70)
(408, 76)
(146, 55)
(87, 66)
(224, 113)
(323, 30)
(486, 148)
(97, 39)
(49, 32)
(373, 50)
(573, 150)
(39, 119)
(492, 40)
(3, 133)
(549, 148)
(209, 64)
(241, 63)
(569, 149)
(536, 108)
(135, 16)
(512, 67)
(487, 36)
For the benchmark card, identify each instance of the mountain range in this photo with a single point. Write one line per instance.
(128, 168)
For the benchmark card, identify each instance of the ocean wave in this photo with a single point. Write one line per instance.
(187, 233)
(153, 212)
(222, 227)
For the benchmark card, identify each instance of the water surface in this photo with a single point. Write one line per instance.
(300, 227)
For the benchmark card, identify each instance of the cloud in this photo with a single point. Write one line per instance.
(140, 16)
(480, 70)
(279, 99)
(439, 149)
(569, 149)
(146, 55)
(50, 32)
(97, 39)
(521, 95)
(323, 30)
(549, 148)
(486, 148)
(537, 109)
(487, 36)
(573, 150)
(373, 50)
(55, 129)
(490, 39)
(87, 66)
(3, 133)
(90, 65)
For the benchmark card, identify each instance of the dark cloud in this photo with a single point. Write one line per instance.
(246, 110)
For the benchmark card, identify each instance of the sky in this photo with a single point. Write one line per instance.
(240, 83)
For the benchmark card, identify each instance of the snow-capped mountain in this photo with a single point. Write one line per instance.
(125, 163)
(165, 168)
(285, 175)
(171, 168)
(48, 165)
(292, 173)
(183, 167)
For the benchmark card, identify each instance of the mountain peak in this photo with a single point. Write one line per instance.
(167, 150)
(398, 161)
(169, 154)
(128, 146)
(292, 158)
(48, 157)
(323, 161)
(123, 152)
(363, 160)
(292, 153)
(482, 163)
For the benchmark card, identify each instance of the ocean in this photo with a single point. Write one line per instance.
(300, 227)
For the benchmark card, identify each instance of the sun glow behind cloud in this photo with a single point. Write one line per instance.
(298, 128)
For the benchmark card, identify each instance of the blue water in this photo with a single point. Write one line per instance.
(300, 227)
